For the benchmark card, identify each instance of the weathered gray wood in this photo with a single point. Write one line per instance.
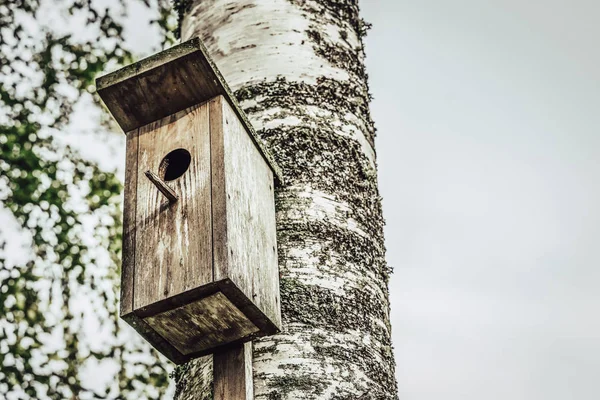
(219, 195)
(129, 223)
(207, 323)
(173, 85)
(249, 308)
(166, 83)
(251, 233)
(174, 240)
(162, 186)
(245, 321)
(160, 343)
(232, 373)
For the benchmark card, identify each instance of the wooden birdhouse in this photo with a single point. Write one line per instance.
(200, 267)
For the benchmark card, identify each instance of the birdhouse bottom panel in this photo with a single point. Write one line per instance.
(203, 324)
(201, 321)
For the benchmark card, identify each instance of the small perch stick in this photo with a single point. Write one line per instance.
(162, 186)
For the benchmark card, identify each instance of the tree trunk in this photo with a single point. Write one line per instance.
(296, 66)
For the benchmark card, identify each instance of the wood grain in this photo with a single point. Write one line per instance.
(244, 237)
(237, 332)
(232, 373)
(207, 323)
(219, 194)
(162, 186)
(129, 223)
(174, 86)
(174, 240)
(251, 232)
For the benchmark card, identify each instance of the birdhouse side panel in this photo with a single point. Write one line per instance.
(219, 195)
(129, 226)
(173, 239)
(251, 233)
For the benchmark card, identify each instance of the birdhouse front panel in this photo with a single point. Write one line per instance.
(173, 240)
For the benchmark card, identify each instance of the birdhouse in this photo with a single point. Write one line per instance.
(200, 269)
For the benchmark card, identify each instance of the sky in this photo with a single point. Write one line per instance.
(488, 116)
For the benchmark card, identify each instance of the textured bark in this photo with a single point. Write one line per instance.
(297, 68)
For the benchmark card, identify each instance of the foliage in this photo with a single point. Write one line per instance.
(67, 205)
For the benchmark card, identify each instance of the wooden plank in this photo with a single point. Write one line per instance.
(147, 64)
(173, 240)
(139, 320)
(157, 341)
(251, 231)
(166, 83)
(173, 86)
(129, 223)
(232, 373)
(249, 308)
(219, 196)
(203, 324)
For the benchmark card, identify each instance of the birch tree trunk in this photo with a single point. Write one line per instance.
(296, 66)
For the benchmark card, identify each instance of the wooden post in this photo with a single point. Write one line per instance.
(232, 373)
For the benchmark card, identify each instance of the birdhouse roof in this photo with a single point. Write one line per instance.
(166, 83)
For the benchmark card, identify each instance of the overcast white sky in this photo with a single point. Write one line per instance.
(489, 115)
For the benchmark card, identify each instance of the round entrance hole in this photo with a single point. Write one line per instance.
(175, 164)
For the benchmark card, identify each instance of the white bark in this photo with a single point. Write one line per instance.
(297, 68)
